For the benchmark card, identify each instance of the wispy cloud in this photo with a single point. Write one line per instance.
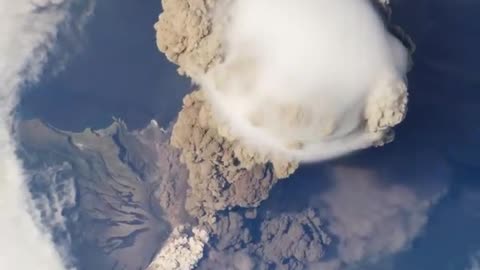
(52, 196)
(376, 214)
(474, 262)
(28, 30)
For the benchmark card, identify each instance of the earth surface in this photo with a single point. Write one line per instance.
(96, 144)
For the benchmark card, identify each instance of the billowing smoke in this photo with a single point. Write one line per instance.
(309, 80)
(183, 250)
(28, 30)
(376, 214)
(282, 82)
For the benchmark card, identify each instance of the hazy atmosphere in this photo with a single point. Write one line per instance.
(239, 135)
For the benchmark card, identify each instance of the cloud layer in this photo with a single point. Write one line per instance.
(28, 30)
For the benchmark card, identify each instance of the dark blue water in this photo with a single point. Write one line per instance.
(444, 115)
(114, 71)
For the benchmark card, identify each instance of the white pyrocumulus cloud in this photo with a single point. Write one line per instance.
(183, 250)
(307, 79)
(28, 29)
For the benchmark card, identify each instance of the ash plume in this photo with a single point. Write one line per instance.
(235, 176)
(278, 83)
(193, 37)
(309, 81)
(287, 241)
(228, 261)
(376, 213)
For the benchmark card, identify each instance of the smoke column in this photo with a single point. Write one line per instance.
(308, 80)
(28, 30)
